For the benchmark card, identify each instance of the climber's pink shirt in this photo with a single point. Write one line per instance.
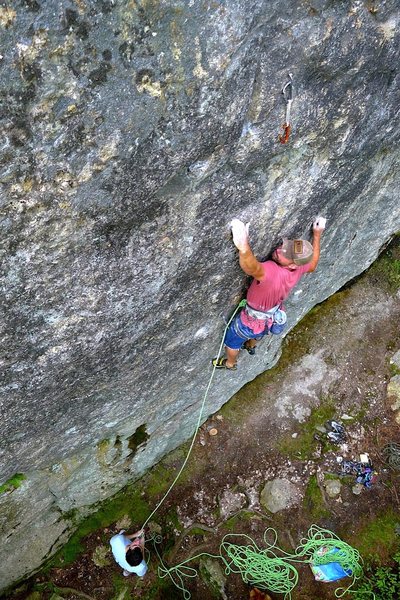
(272, 290)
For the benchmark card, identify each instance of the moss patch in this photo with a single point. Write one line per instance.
(159, 480)
(386, 270)
(128, 501)
(313, 501)
(233, 524)
(162, 589)
(394, 370)
(122, 588)
(13, 483)
(304, 444)
(378, 539)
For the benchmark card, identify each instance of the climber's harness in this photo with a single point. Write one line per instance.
(260, 314)
(275, 318)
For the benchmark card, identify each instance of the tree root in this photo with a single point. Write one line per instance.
(68, 590)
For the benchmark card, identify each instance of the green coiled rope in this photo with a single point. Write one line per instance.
(317, 549)
(259, 567)
(270, 568)
(391, 455)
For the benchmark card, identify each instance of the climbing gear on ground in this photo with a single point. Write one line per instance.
(220, 363)
(333, 431)
(364, 471)
(287, 92)
(391, 455)
(250, 349)
(331, 571)
(336, 432)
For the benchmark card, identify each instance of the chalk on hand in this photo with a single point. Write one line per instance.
(320, 222)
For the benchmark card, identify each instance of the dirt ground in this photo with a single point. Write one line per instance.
(335, 364)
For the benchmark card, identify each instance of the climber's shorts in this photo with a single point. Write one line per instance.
(238, 333)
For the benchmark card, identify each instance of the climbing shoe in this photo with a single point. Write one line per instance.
(250, 350)
(220, 363)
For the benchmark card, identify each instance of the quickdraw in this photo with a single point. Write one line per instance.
(287, 92)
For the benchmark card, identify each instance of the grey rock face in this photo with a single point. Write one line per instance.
(132, 134)
(279, 494)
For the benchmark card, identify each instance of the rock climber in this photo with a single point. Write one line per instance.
(272, 283)
(128, 551)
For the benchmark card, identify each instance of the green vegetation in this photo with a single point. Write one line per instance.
(127, 502)
(394, 370)
(378, 538)
(122, 587)
(383, 581)
(160, 590)
(386, 270)
(313, 501)
(160, 480)
(304, 444)
(13, 483)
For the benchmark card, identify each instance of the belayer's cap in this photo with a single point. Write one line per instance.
(299, 251)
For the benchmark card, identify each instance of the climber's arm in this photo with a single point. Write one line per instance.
(137, 534)
(318, 228)
(248, 262)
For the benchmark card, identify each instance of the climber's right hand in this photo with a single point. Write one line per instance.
(240, 234)
(319, 224)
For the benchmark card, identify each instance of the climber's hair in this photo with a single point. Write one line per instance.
(134, 556)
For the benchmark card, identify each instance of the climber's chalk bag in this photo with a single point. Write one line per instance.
(278, 321)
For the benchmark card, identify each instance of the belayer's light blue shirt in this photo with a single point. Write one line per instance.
(118, 546)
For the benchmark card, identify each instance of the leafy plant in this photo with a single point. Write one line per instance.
(381, 580)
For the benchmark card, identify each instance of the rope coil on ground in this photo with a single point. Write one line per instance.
(317, 549)
(391, 455)
(259, 567)
(270, 568)
(318, 539)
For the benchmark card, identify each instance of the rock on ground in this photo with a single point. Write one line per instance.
(279, 494)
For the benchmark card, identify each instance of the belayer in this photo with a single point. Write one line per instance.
(128, 551)
(272, 283)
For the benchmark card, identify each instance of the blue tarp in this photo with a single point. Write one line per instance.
(331, 571)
